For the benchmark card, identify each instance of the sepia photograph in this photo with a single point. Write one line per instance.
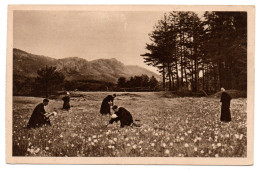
(130, 84)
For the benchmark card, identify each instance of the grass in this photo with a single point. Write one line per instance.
(176, 127)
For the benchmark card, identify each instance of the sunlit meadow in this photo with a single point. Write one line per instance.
(170, 126)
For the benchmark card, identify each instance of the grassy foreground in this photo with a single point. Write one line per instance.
(176, 127)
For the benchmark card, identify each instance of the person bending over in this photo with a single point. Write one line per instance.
(122, 115)
(106, 103)
(39, 117)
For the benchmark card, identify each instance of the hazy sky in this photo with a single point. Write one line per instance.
(89, 35)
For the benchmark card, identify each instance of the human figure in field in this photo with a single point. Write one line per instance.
(122, 115)
(66, 101)
(39, 117)
(106, 103)
(225, 107)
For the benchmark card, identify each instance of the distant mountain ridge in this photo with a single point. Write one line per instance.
(74, 68)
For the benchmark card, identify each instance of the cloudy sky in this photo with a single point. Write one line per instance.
(89, 35)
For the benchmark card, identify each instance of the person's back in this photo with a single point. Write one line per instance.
(225, 98)
(66, 99)
(38, 108)
(125, 117)
(37, 118)
(108, 98)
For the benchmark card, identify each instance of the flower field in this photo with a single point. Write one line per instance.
(175, 127)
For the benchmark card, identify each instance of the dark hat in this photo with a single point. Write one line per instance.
(45, 100)
(114, 107)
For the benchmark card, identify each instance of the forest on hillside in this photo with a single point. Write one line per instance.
(200, 52)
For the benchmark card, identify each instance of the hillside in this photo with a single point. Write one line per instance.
(75, 68)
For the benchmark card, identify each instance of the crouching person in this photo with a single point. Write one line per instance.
(122, 115)
(39, 117)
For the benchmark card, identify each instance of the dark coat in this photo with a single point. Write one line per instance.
(124, 116)
(66, 104)
(105, 106)
(225, 111)
(37, 118)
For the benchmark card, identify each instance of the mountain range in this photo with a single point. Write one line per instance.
(74, 68)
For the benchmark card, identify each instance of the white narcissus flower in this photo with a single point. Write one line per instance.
(241, 136)
(38, 149)
(164, 145)
(113, 116)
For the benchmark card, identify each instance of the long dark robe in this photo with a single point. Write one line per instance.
(66, 102)
(37, 118)
(124, 116)
(225, 111)
(105, 106)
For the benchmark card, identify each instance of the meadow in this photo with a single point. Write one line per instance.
(170, 127)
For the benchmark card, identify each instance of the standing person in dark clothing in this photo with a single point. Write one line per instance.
(39, 117)
(106, 103)
(66, 101)
(225, 111)
(122, 115)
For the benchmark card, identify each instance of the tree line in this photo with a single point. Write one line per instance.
(142, 82)
(200, 53)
